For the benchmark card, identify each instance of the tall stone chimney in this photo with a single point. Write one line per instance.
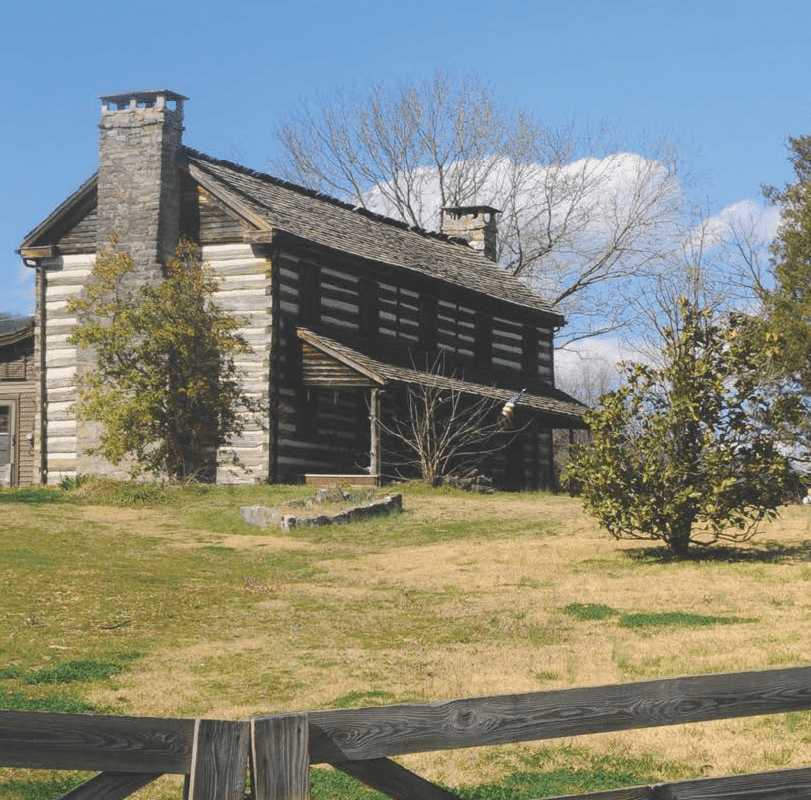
(476, 224)
(139, 182)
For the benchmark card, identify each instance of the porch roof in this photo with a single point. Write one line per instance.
(562, 410)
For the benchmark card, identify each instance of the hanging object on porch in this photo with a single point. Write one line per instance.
(509, 407)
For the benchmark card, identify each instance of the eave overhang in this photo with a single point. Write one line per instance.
(39, 243)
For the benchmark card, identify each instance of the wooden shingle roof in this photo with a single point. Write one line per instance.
(267, 202)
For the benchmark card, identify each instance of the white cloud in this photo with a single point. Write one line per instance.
(758, 220)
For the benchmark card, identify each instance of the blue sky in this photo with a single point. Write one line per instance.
(729, 80)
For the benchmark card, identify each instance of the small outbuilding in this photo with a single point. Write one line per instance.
(18, 401)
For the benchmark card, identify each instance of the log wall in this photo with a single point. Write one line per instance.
(244, 289)
(65, 278)
(405, 321)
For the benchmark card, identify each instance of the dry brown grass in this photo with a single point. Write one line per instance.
(413, 608)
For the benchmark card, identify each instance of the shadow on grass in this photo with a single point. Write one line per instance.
(760, 553)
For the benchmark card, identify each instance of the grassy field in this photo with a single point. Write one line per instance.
(163, 602)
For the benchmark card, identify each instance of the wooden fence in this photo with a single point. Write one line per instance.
(277, 750)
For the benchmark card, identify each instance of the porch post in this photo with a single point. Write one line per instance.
(374, 448)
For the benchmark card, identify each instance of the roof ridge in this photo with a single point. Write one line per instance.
(326, 198)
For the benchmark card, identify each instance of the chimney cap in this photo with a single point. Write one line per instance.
(476, 209)
(141, 96)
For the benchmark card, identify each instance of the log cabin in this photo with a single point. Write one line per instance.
(18, 394)
(344, 310)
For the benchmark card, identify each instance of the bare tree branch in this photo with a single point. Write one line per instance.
(583, 222)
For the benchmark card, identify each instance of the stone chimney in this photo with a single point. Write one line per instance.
(475, 224)
(139, 182)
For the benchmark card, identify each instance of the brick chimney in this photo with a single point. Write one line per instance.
(139, 182)
(475, 224)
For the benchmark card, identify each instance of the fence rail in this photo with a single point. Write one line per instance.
(277, 750)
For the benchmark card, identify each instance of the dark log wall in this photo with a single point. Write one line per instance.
(323, 431)
(81, 238)
(402, 319)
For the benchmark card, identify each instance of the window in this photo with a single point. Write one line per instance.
(307, 413)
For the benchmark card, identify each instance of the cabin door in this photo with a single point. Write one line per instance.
(8, 443)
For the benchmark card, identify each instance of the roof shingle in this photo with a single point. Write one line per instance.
(263, 199)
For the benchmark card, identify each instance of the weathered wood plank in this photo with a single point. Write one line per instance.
(91, 742)
(394, 780)
(630, 793)
(281, 763)
(219, 760)
(110, 786)
(788, 784)
(365, 733)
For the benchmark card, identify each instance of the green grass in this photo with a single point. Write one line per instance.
(17, 701)
(175, 607)
(32, 495)
(589, 611)
(373, 697)
(586, 612)
(580, 772)
(46, 789)
(71, 671)
(677, 618)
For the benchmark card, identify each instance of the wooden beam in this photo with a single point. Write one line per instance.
(110, 786)
(394, 780)
(219, 760)
(788, 784)
(94, 742)
(280, 757)
(48, 251)
(366, 733)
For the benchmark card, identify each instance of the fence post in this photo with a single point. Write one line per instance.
(280, 746)
(219, 760)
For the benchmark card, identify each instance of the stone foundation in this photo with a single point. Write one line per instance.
(265, 516)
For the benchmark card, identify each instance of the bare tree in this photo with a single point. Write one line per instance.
(442, 431)
(720, 264)
(583, 222)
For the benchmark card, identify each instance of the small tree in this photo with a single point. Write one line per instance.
(678, 453)
(442, 430)
(164, 384)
